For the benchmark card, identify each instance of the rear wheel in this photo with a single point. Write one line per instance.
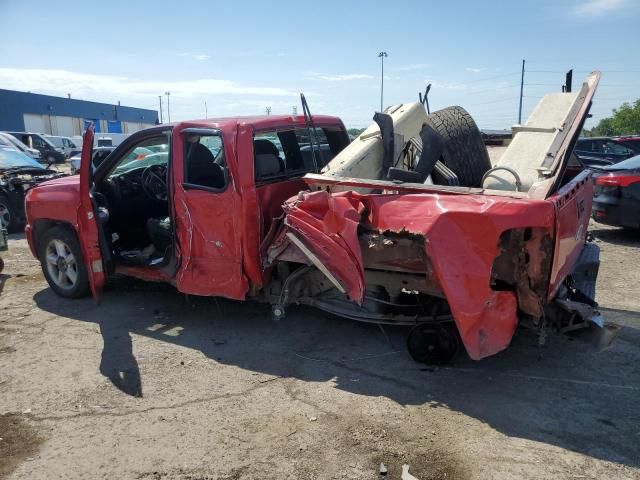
(464, 150)
(433, 344)
(62, 265)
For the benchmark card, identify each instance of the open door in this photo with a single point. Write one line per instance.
(88, 228)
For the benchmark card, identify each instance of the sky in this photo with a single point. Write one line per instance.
(238, 58)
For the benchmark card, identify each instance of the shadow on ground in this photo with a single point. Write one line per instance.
(566, 393)
(618, 236)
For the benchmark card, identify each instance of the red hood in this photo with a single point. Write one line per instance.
(66, 183)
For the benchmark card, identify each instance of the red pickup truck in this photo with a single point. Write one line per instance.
(252, 208)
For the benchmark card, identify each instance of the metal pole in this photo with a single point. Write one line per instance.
(521, 90)
(382, 55)
(160, 100)
(205, 110)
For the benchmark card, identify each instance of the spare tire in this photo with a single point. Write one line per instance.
(464, 150)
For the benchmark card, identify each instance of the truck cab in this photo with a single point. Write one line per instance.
(192, 212)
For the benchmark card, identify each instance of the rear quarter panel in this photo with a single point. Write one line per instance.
(572, 204)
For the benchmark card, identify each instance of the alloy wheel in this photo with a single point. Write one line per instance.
(61, 264)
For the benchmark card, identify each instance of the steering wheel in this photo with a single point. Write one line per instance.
(154, 182)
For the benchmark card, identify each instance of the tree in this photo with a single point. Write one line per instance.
(624, 121)
(354, 132)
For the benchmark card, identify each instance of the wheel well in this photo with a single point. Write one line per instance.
(41, 226)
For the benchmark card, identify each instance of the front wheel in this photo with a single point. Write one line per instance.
(62, 265)
(8, 218)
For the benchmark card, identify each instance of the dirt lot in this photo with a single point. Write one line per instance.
(154, 385)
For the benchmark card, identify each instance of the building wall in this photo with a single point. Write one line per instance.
(21, 111)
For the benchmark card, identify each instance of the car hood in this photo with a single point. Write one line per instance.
(67, 183)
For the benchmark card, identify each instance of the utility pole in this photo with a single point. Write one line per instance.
(205, 110)
(268, 110)
(521, 90)
(382, 56)
(168, 108)
(160, 100)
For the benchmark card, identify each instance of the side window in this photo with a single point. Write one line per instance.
(290, 153)
(38, 143)
(616, 148)
(204, 162)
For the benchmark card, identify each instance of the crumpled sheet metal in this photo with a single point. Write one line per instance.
(328, 225)
(461, 236)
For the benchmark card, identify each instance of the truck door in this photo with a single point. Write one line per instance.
(207, 216)
(88, 229)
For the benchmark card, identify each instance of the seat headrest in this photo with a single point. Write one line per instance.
(199, 155)
(261, 147)
(267, 164)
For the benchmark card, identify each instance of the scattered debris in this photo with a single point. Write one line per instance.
(406, 475)
(383, 469)
(313, 419)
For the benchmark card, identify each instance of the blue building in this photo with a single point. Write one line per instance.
(31, 112)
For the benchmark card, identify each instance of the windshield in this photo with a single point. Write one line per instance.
(135, 159)
(10, 158)
(150, 159)
(13, 141)
(57, 141)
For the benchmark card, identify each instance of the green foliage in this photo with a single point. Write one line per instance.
(624, 121)
(354, 132)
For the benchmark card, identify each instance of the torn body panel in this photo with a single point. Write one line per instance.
(460, 237)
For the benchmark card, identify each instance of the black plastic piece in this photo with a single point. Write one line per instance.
(443, 175)
(432, 148)
(385, 122)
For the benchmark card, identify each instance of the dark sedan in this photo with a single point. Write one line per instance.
(616, 197)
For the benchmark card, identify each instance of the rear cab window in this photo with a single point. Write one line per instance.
(292, 153)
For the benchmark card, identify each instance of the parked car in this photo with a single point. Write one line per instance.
(18, 173)
(438, 240)
(616, 196)
(64, 144)
(32, 152)
(99, 154)
(50, 153)
(602, 151)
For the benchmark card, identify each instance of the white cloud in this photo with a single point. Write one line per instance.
(594, 8)
(338, 78)
(474, 69)
(195, 56)
(108, 88)
(411, 67)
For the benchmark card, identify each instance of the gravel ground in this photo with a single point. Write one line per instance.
(154, 385)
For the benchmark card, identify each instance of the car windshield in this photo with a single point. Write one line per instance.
(11, 158)
(11, 140)
(148, 160)
(632, 163)
(57, 141)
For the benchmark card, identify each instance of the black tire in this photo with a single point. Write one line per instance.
(77, 289)
(8, 217)
(433, 344)
(464, 150)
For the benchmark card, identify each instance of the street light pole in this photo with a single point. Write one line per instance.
(160, 100)
(382, 56)
(168, 109)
